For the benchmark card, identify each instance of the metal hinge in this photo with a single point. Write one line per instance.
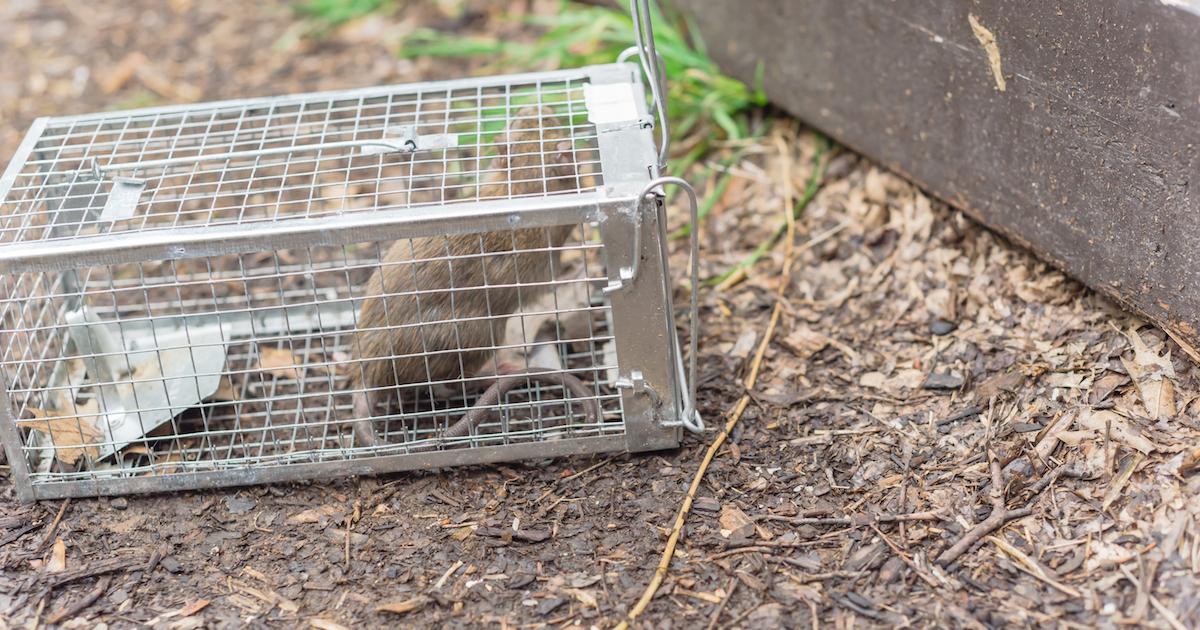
(636, 383)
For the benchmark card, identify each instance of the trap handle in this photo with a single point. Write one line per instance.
(652, 65)
(691, 415)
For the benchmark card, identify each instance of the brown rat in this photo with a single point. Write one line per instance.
(435, 312)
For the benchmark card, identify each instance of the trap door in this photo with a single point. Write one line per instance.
(635, 246)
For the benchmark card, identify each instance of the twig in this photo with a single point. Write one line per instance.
(793, 544)
(904, 557)
(62, 509)
(1028, 565)
(346, 550)
(809, 578)
(437, 586)
(79, 606)
(961, 414)
(733, 623)
(19, 533)
(716, 616)
(737, 552)
(101, 567)
(664, 562)
(584, 471)
(1050, 478)
(845, 602)
(1172, 620)
(999, 516)
(865, 519)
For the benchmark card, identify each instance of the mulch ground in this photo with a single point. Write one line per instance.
(945, 433)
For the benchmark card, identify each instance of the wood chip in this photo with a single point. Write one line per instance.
(1115, 490)
(403, 607)
(193, 608)
(316, 515)
(58, 558)
(584, 597)
(325, 624)
(735, 523)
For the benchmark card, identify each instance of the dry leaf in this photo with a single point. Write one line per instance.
(734, 522)
(279, 362)
(1118, 427)
(805, 342)
(58, 558)
(909, 379)
(1002, 382)
(1152, 373)
(70, 433)
(404, 607)
(872, 379)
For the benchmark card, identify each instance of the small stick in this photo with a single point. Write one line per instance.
(999, 516)
(735, 415)
(745, 613)
(19, 533)
(961, 414)
(585, 471)
(716, 616)
(929, 515)
(346, 558)
(81, 605)
(54, 526)
(904, 557)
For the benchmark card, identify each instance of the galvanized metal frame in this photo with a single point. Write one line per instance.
(631, 227)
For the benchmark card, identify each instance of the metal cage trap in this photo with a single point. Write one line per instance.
(340, 283)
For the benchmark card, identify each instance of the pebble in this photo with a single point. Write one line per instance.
(941, 327)
(119, 503)
(118, 596)
(170, 564)
(944, 380)
(239, 505)
(548, 605)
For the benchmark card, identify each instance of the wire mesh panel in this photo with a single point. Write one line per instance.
(333, 284)
(266, 160)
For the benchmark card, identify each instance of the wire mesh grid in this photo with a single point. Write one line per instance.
(204, 364)
(311, 343)
(266, 160)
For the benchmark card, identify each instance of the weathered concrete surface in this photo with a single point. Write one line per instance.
(1072, 127)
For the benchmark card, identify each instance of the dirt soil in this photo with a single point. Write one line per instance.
(918, 358)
